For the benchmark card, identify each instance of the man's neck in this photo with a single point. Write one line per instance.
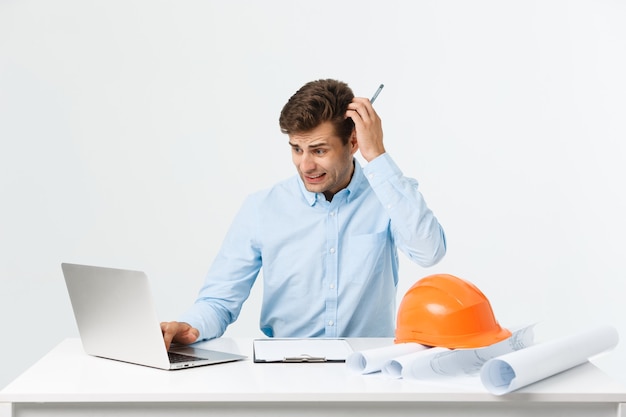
(329, 194)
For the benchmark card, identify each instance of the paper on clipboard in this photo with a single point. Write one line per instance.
(301, 350)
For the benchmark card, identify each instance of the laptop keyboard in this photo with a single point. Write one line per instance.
(177, 358)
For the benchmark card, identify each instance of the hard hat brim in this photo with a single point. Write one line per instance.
(454, 342)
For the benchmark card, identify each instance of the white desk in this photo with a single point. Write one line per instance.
(67, 382)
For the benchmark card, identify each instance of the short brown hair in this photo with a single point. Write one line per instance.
(315, 103)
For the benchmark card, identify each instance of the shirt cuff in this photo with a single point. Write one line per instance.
(380, 169)
(202, 319)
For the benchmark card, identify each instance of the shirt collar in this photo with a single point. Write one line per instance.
(352, 188)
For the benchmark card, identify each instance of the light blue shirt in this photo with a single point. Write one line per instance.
(330, 269)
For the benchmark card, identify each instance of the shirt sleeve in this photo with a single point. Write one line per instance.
(416, 230)
(229, 280)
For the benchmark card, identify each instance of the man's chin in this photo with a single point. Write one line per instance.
(313, 188)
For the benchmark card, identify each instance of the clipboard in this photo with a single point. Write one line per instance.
(300, 350)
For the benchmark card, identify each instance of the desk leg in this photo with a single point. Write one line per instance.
(621, 410)
(6, 410)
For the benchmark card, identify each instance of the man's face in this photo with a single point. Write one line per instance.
(322, 160)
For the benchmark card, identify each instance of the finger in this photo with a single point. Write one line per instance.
(190, 334)
(169, 330)
(363, 108)
(358, 115)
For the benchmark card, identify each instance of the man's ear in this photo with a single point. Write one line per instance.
(354, 143)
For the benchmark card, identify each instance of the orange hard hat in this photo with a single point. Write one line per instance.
(446, 311)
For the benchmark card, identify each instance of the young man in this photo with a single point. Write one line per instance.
(327, 239)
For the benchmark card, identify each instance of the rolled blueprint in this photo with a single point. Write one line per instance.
(470, 361)
(517, 369)
(402, 366)
(372, 360)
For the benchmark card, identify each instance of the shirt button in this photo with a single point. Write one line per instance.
(332, 250)
(332, 286)
(332, 214)
(331, 323)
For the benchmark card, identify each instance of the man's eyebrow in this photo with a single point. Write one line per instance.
(312, 146)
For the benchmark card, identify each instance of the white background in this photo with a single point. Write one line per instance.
(131, 131)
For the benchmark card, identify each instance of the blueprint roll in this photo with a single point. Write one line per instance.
(517, 369)
(402, 367)
(372, 360)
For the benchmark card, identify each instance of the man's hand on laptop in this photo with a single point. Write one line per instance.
(178, 332)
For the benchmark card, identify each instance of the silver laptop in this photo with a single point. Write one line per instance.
(117, 320)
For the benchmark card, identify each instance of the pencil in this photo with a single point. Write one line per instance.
(380, 87)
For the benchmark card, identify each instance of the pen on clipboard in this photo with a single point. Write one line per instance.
(380, 88)
(304, 358)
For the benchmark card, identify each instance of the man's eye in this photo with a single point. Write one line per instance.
(320, 152)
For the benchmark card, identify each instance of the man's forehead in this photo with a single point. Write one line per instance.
(324, 134)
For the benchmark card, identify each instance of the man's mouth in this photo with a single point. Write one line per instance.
(314, 178)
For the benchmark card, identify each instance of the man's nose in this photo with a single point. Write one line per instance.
(307, 163)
